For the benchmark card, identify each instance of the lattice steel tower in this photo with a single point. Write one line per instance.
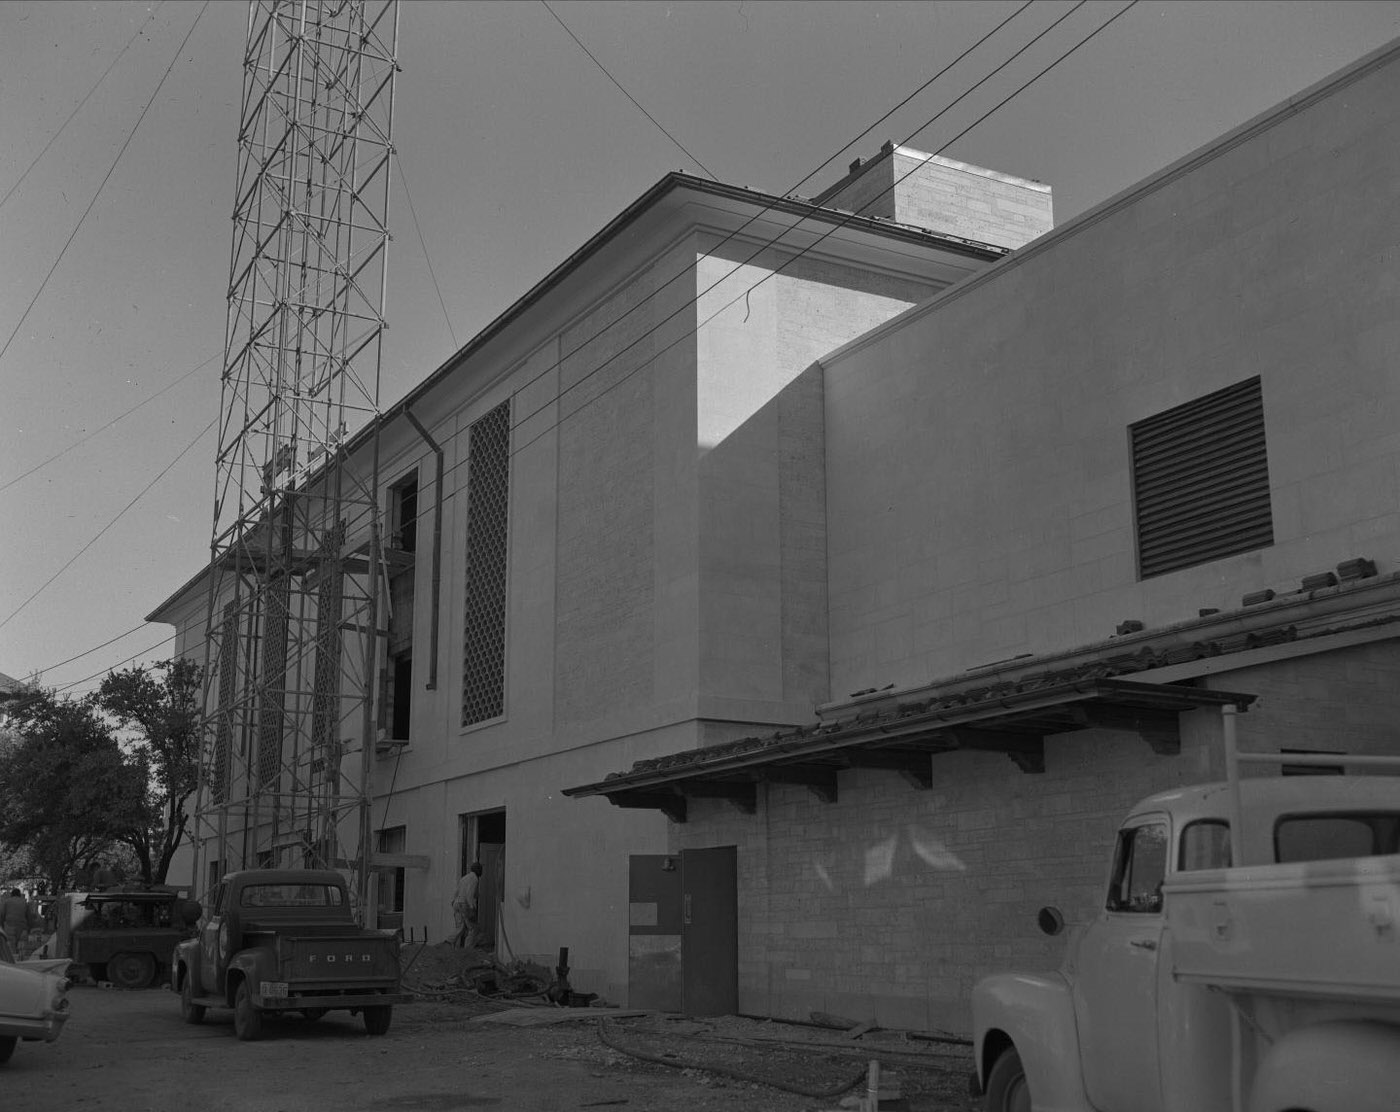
(295, 576)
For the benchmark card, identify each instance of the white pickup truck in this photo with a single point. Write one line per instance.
(1246, 957)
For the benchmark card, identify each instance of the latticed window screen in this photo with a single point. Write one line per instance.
(1201, 481)
(272, 694)
(325, 710)
(488, 503)
(223, 724)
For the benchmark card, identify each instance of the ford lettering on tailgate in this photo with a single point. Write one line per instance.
(336, 959)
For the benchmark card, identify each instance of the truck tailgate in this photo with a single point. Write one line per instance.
(1342, 936)
(329, 960)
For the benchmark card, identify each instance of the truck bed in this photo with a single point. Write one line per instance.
(1342, 940)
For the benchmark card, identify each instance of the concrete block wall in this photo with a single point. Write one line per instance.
(943, 195)
(892, 902)
(980, 499)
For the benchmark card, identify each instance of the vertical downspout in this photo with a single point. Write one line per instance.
(437, 549)
(1228, 714)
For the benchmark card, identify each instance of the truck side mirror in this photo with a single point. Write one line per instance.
(1050, 920)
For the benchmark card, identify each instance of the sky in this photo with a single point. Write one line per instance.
(513, 147)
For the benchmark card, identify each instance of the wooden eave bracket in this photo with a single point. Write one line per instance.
(1161, 729)
(819, 779)
(743, 794)
(1026, 750)
(915, 765)
(670, 803)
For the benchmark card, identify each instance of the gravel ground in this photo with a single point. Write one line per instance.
(804, 1066)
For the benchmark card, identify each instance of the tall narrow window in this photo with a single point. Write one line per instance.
(1201, 481)
(397, 707)
(223, 725)
(488, 503)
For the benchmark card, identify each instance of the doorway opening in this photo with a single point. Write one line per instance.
(483, 839)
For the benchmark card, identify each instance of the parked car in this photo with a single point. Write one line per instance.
(33, 1002)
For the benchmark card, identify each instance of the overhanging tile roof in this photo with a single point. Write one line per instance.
(1011, 717)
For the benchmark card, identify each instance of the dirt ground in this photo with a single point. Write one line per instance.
(457, 1048)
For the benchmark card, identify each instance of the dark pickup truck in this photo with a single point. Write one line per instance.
(286, 940)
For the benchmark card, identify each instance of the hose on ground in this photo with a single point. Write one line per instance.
(828, 1093)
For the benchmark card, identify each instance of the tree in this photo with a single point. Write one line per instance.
(70, 792)
(159, 708)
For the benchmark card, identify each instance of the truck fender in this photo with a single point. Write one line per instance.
(1035, 1014)
(184, 965)
(1340, 1066)
(246, 965)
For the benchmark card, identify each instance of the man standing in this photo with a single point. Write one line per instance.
(465, 906)
(14, 917)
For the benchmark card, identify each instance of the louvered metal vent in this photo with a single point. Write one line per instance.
(488, 515)
(1201, 481)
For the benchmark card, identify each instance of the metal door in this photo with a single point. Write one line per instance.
(710, 931)
(654, 932)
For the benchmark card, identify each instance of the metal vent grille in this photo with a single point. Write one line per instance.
(488, 503)
(1201, 481)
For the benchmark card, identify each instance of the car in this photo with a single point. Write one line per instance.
(34, 1003)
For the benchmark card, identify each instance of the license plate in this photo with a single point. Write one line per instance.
(276, 989)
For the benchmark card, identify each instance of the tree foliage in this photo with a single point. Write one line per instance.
(93, 778)
(158, 708)
(70, 792)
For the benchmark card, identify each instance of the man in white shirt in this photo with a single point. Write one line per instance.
(464, 906)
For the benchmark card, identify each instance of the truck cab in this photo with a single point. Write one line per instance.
(281, 941)
(1129, 1023)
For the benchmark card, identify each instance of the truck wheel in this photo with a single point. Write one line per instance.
(1007, 1090)
(7, 1047)
(247, 1020)
(131, 970)
(377, 1018)
(190, 1012)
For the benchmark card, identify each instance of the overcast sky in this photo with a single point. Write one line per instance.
(515, 148)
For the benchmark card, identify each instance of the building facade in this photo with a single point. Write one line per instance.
(605, 543)
(1145, 467)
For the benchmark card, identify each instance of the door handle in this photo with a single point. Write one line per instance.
(1143, 943)
(685, 915)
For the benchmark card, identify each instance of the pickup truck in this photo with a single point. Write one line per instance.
(1246, 956)
(286, 940)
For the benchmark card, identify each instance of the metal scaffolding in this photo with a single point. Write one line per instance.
(296, 561)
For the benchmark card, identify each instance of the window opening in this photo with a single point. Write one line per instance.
(1205, 844)
(1140, 867)
(1327, 837)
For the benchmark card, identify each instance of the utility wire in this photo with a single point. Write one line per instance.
(78, 227)
(109, 524)
(835, 227)
(109, 424)
(686, 271)
(624, 92)
(448, 496)
(799, 254)
(54, 138)
(403, 180)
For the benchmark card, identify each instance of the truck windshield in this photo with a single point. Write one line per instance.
(291, 895)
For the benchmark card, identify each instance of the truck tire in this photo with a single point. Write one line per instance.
(247, 1020)
(7, 1047)
(131, 970)
(190, 1012)
(377, 1018)
(1007, 1090)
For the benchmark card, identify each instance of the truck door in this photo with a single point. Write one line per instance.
(210, 964)
(1115, 984)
